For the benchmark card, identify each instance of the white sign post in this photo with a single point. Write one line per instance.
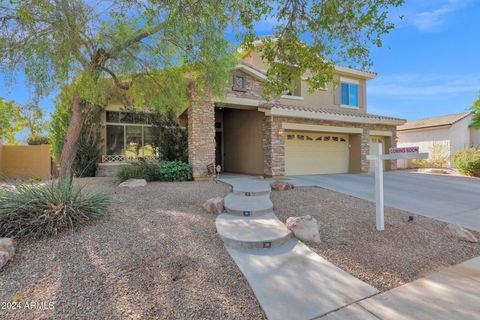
(379, 157)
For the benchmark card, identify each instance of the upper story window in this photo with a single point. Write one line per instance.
(349, 94)
(296, 84)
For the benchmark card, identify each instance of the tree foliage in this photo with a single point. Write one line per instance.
(476, 114)
(11, 121)
(34, 119)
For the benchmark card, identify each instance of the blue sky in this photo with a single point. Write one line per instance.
(428, 65)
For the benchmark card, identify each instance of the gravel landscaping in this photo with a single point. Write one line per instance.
(405, 251)
(156, 256)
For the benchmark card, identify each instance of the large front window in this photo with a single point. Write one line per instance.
(129, 134)
(350, 94)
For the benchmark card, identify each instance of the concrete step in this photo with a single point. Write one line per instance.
(248, 186)
(248, 205)
(257, 232)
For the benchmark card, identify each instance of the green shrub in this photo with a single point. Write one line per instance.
(141, 169)
(36, 140)
(467, 161)
(418, 163)
(152, 171)
(174, 171)
(38, 211)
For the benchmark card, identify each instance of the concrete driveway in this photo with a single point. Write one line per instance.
(447, 198)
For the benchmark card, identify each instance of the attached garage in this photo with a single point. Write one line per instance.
(316, 153)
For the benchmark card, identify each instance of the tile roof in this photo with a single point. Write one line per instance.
(433, 121)
(331, 111)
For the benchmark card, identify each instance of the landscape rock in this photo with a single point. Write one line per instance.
(459, 232)
(304, 228)
(7, 250)
(281, 185)
(214, 205)
(133, 183)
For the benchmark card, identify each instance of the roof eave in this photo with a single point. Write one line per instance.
(363, 74)
(281, 112)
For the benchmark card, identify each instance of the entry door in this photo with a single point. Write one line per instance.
(218, 149)
(373, 141)
(316, 153)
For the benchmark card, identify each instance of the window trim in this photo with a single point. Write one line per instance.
(349, 81)
(292, 97)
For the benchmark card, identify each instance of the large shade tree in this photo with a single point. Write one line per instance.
(157, 49)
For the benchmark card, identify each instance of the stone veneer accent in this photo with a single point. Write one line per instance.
(253, 87)
(274, 146)
(201, 135)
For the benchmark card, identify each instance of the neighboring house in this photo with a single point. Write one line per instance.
(453, 132)
(328, 131)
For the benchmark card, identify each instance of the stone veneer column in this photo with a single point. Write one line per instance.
(393, 144)
(273, 148)
(365, 150)
(201, 135)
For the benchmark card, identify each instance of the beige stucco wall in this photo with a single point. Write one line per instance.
(242, 136)
(319, 98)
(25, 162)
(475, 137)
(355, 161)
(460, 135)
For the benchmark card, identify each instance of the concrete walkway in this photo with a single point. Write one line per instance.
(447, 198)
(289, 280)
(450, 294)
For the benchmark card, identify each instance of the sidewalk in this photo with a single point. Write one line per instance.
(450, 294)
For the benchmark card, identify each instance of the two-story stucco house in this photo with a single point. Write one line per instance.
(328, 131)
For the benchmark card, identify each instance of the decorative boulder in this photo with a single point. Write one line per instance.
(133, 183)
(459, 232)
(214, 205)
(7, 250)
(281, 185)
(304, 228)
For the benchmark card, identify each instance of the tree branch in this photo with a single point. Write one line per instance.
(120, 85)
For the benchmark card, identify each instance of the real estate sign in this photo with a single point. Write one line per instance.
(379, 157)
(405, 150)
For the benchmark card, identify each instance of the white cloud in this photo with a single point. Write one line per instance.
(430, 20)
(423, 86)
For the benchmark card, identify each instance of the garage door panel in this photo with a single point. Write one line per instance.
(316, 153)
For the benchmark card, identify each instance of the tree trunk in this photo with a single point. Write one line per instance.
(72, 138)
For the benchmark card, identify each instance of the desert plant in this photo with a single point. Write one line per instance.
(174, 171)
(36, 140)
(418, 163)
(438, 156)
(38, 211)
(141, 169)
(467, 161)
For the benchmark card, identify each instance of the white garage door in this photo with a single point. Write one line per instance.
(315, 153)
